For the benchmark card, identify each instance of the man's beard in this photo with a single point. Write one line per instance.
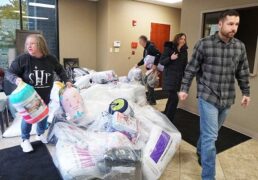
(228, 34)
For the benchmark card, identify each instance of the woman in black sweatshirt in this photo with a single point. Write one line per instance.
(36, 67)
(174, 59)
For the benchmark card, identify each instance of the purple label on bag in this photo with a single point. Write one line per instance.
(160, 147)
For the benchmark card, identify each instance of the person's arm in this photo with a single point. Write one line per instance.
(165, 58)
(15, 72)
(184, 58)
(141, 62)
(153, 51)
(242, 74)
(60, 71)
(192, 67)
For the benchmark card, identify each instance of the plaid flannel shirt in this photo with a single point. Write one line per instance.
(216, 65)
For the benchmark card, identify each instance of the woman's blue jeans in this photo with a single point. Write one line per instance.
(26, 128)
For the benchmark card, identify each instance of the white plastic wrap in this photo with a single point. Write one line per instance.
(15, 129)
(74, 106)
(135, 74)
(101, 155)
(104, 77)
(54, 104)
(75, 162)
(83, 82)
(160, 139)
(118, 146)
(158, 151)
(149, 61)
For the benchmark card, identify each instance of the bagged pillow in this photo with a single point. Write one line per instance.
(126, 125)
(120, 105)
(75, 162)
(54, 104)
(104, 77)
(15, 129)
(28, 103)
(149, 61)
(83, 82)
(158, 151)
(73, 104)
(135, 74)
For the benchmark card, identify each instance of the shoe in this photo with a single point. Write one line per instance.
(26, 146)
(42, 138)
(152, 103)
(199, 159)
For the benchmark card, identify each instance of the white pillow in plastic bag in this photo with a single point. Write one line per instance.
(15, 129)
(158, 152)
(83, 82)
(54, 104)
(104, 77)
(135, 74)
(75, 162)
(149, 61)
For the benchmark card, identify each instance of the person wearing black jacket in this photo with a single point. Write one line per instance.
(36, 67)
(174, 59)
(149, 49)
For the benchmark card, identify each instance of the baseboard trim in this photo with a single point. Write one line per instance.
(227, 124)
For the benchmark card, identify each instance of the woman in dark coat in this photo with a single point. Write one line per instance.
(174, 59)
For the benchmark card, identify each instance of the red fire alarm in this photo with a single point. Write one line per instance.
(134, 45)
(133, 23)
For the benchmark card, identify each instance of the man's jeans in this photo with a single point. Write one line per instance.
(26, 128)
(211, 120)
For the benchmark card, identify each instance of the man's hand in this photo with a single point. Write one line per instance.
(245, 101)
(69, 84)
(182, 95)
(18, 81)
(174, 56)
(154, 67)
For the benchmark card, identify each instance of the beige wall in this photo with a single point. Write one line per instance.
(243, 120)
(77, 31)
(102, 34)
(120, 15)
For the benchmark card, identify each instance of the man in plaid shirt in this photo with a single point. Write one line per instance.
(217, 61)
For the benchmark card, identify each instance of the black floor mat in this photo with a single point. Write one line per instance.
(37, 165)
(188, 124)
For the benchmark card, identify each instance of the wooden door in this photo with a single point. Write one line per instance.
(160, 33)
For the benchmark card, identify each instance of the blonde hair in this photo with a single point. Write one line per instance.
(41, 43)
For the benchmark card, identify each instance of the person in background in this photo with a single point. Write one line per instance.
(149, 49)
(174, 59)
(36, 67)
(217, 61)
(1, 79)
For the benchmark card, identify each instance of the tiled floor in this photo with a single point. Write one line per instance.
(237, 163)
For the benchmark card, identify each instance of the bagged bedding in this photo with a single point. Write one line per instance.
(15, 129)
(73, 105)
(104, 77)
(54, 104)
(149, 61)
(96, 155)
(135, 74)
(83, 82)
(28, 103)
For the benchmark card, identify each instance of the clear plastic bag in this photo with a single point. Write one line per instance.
(104, 77)
(135, 74)
(83, 82)
(102, 156)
